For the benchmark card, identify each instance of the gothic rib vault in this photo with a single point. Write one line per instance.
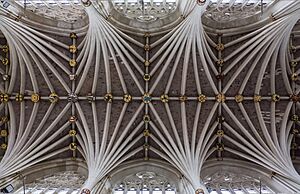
(112, 92)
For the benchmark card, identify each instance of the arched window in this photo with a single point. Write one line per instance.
(145, 182)
(63, 10)
(228, 10)
(238, 177)
(145, 177)
(232, 183)
(68, 182)
(145, 10)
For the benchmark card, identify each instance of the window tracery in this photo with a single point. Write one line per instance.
(231, 183)
(145, 10)
(145, 182)
(68, 182)
(226, 10)
(62, 10)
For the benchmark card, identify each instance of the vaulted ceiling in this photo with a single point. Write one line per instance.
(179, 81)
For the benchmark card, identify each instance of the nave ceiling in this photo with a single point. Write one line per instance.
(110, 82)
